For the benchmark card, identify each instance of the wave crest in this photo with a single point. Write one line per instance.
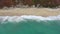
(23, 17)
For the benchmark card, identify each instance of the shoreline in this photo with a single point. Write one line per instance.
(30, 11)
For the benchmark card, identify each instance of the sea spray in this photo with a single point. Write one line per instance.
(28, 24)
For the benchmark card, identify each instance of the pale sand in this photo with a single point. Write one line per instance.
(29, 11)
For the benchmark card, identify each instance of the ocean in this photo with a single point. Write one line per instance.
(29, 24)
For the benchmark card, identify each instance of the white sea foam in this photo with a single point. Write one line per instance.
(23, 17)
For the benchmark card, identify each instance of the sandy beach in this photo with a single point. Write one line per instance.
(29, 11)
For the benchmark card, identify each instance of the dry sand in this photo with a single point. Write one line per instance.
(29, 11)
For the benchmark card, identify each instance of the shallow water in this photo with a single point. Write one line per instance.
(30, 25)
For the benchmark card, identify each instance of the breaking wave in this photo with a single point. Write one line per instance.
(29, 24)
(23, 17)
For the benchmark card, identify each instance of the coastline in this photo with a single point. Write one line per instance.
(30, 11)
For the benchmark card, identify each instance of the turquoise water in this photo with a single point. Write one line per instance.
(30, 27)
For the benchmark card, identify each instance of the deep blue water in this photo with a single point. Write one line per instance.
(31, 27)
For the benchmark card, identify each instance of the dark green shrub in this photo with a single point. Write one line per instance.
(47, 3)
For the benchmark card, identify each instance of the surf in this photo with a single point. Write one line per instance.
(29, 24)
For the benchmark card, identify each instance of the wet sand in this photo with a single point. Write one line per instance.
(29, 11)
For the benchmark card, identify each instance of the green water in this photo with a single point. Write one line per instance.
(31, 27)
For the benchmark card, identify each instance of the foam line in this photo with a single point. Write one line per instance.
(23, 17)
